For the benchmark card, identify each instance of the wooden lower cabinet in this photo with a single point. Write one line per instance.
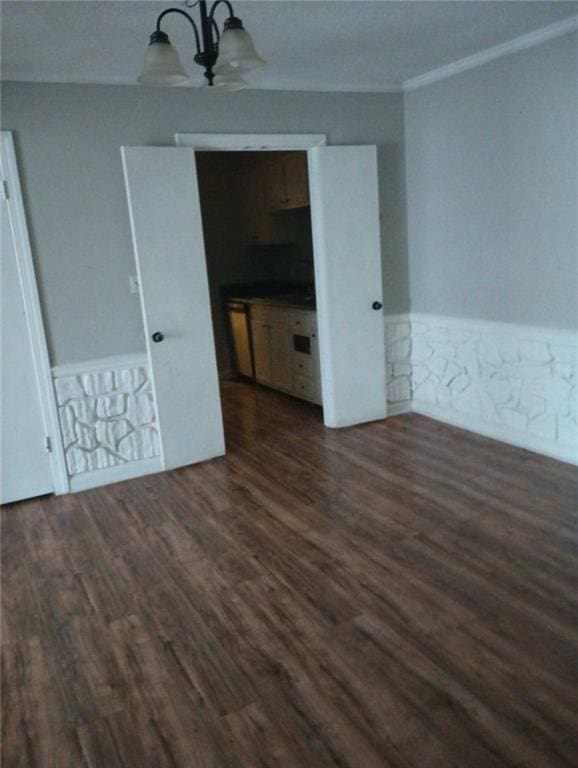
(281, 351)
(278, 364)
(261, 350)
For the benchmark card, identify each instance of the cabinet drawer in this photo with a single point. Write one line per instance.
(304, 322)
(307, 388)
(303, 365)
(259, 312)
(277, 315)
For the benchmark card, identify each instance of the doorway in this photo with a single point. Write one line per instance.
(167, 230)
(256, 216)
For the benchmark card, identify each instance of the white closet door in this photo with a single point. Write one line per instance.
(345, 218)
(167, 235)
(25, 469)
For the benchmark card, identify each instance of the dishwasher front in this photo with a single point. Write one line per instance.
(238, 312)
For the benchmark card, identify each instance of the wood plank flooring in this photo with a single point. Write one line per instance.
(396, 595)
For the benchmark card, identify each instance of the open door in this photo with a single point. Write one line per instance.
(346, 236)
(167, 235)
(31, 454)
(25, 465)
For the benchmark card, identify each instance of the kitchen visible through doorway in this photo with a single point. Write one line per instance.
(260, 263)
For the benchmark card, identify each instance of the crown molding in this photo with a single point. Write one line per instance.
(198, 86)
(557, 29)
(550, 32)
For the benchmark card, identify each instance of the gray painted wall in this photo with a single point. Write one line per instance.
(68, 140)
(491, 182)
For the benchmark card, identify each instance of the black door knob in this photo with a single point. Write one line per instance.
(376, 305)
(158, 336)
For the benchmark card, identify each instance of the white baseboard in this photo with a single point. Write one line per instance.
(116, 474)
(548, 448)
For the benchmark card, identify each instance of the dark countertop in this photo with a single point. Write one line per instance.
(290, 301)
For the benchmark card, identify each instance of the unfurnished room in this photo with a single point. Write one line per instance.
(289, 384)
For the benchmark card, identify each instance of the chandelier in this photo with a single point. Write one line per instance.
(225, 56)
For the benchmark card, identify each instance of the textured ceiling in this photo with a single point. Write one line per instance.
(349, 46)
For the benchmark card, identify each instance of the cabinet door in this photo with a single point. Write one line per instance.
(296, 180)
(244, 202)
(255, 207)
(274, 182)
(250, 203)
(281, 356)
(261, 351)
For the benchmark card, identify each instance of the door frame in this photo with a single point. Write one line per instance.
(269, 142)
(250, 142)
(12, 193)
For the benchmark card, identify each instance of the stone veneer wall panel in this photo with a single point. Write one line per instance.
(518, 384)
(515, 383)
(107, 415)
(398, 363)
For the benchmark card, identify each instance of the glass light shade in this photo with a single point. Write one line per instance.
(229, 82)
(162, 66)
(237, 53)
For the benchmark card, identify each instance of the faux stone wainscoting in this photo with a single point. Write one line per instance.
(515, 383)
(107, 417)
(398, 362)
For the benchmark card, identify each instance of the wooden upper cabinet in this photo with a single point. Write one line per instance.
(286, 182)
(274, 184)
(296, 180)
(254, 207)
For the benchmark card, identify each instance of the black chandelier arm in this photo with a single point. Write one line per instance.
(217, 3)
(216, 29)
(186, 15)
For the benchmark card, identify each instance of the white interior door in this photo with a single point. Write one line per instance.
(346, 235)
(25, 465)
(167, 235)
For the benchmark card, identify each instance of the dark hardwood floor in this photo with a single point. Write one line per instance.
(401, 594)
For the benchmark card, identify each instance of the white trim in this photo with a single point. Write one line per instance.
(532, 332)
(235, 142)
(249, 142)
(198, 86)
(133, 360)
(549, 448)
(33, 312)
(117, 474)
(521, 43)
